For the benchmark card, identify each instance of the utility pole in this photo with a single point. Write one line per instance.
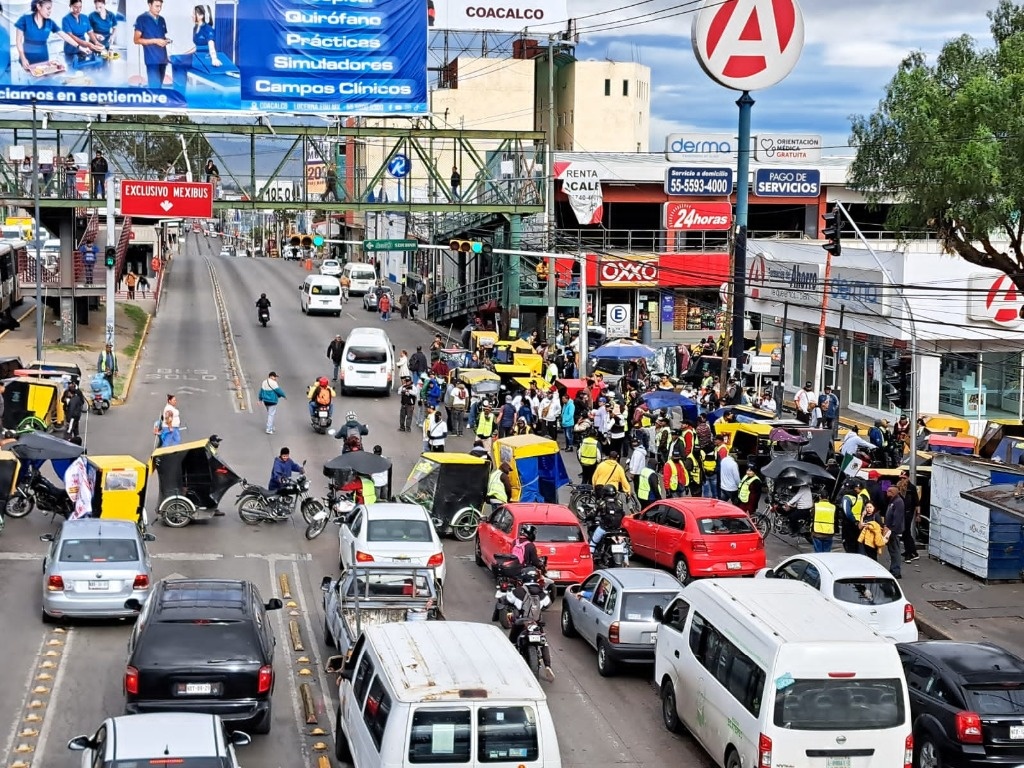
(40, 310)
(111, 268)
(549, 202)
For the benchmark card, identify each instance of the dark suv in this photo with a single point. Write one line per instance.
(967, 704)
(203, 645)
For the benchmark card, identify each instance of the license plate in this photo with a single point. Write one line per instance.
(653, 638)
(536, 638)
(195, 689)
(99, 586)
(837, 762)
(736, 567)
(554, 574)
(1017, 731)
(618, 549)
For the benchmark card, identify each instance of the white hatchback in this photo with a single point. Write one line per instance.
(331, 268)
(391, 534)
(857, 584)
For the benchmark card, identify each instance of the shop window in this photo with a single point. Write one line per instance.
(698, 311)
(625, 87)
(607, 87)
(858, 373)
(798, 360)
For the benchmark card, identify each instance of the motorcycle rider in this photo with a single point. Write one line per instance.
(799, 510)
(351, 428)
(528, 600)
(282, 471)
(524, 554)
(609, 514)
(320, 393)
(262, 305)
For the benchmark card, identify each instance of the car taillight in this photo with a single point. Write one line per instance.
(584, 552)
(764, 751)
(364, 557)
(699, 545)
(265, 680)
(908, 613)
(436, 561)
(55, 584)
(613, 632)
(131, 680)
(759, 543)
(141, 581)
(968, 728)
(908, 751)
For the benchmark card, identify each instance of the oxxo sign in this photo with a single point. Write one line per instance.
(630, 274)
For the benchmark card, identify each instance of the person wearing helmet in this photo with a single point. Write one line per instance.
(528, 599)
(212, 444)
(351, 428)
(525, 550)
(609, 512)
(320, 393)
(262, 305)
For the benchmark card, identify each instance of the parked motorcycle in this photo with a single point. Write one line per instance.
(101, 394)
(340, 506)
(320, 419)
(38, 492)
(263, 316)
(256, 504)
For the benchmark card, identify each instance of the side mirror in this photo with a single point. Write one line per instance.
(239, 739)
(148, 537)
(133, 604)
(80, 744)
(770, 573)
(274, 604)
(325, 584)
(334, 664)
(47, 537)
(574, 590)
(658, 613)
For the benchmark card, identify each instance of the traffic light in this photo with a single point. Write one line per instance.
(110, 257)
(318, 240)
(466, 246)
(833, 231)
(294, 241)
(896, 381)
(307, 241)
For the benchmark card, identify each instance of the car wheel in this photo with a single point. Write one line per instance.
(732, 760)
(342, 751)
(568, 628)
(328, 637)
(262, 725)
(682, 570)
(928, 754)
(47, 618)
(478, 555)
(605, 663)
(669, 715)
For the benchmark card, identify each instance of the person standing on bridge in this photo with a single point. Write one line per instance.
(99, 169)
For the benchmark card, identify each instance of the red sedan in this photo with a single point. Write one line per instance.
(696, 538)
(560, 538)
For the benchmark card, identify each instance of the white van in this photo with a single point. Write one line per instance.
(319, 293)
(770, 673)
(368, 361)
(362, 276)
(444, 693)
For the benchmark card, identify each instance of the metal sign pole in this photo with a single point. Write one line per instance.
(739, 270)
(111, 271)
(37, 233)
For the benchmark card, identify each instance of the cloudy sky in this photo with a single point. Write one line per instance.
(852, 50)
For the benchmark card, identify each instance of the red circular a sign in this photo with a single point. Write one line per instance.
(1002, 298)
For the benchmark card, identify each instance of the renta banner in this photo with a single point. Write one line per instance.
(280, 56)
(581, 183)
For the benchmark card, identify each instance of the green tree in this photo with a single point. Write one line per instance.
(946, 144)
(149, 153)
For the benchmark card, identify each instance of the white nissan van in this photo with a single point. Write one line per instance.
(319, 293)
(368, 361)
(769, 673)
(362, 276)
(442, 693)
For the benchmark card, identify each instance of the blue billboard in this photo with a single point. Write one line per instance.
(277, 56)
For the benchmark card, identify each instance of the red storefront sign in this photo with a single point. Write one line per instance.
(183, 199)
(692, 216)
(628, 274)
(670, 270)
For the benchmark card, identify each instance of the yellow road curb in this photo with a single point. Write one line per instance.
(135, 364)
(19, 319)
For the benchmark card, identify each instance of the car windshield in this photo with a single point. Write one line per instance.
(639, 606)
(99, 551)
(1002, 699)
(176, 762)
(839, 704)
(710, 526)
(367, 355)
(398, 530)
(867, 591)
(559, 533)
(182, 643)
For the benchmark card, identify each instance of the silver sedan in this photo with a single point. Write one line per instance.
(92, 567)
(613, 610)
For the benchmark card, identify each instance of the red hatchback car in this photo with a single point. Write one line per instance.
(560, 538)
(696, 538)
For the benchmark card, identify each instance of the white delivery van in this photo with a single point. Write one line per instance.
(441, 693)
(368, 361)
(363, 277)
(769, 673)
(319, 293)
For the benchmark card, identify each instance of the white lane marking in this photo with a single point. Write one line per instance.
(184, 556)
(28, 695)
(187, 556)
(293, 688)
(314, 651)
(58, 678)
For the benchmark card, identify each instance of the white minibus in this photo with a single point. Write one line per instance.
(368, 361)
(770, 674)
(319, 293)
(362, 276)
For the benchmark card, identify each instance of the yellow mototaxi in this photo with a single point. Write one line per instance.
(537, 468)
(483, 341)
(452, 488)
(512, 358)
(119, 490)
(32, 404)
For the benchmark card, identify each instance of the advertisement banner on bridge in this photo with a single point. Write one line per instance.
(275, 56)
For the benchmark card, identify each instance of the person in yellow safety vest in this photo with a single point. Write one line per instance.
(676, 477)
(749, 493)
(610, 472)
(648, 486)
(485, 426)
(589, 454)
(852, 506)
(823, 527)
(368, 490)
(499, 486)
(692, 462)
